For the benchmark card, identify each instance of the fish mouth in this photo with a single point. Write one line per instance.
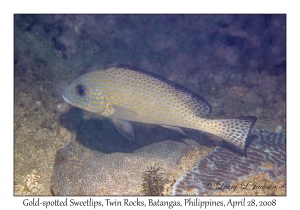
(66, 99)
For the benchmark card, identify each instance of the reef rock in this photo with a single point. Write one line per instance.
(79, 170)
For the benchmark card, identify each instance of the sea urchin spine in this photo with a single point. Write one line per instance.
(152, 181)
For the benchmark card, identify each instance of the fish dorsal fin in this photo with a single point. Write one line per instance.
(125, 128)
(198, 105)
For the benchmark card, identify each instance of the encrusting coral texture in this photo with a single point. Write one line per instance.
(217, 171)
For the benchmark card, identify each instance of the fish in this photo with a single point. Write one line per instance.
(126, 94)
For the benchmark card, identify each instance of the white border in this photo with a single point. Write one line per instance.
(154, 6)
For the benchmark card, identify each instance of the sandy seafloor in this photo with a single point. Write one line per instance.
(236, 62)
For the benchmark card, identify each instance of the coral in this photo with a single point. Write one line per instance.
(221, 168)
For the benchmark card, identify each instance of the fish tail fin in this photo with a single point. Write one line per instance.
(234, 132)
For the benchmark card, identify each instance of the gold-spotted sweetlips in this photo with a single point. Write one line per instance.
(125, 94)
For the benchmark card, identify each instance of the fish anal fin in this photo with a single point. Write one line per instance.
(177, 129)
(125, 128)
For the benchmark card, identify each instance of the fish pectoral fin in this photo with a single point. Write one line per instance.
(118, 112)
(125, 128)
(179, 130)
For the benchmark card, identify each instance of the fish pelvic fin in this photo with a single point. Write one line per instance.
(234, 132)
(125, 128)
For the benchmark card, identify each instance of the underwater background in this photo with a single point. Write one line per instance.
(236, 62)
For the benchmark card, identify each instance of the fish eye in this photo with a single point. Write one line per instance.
(81, 90)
